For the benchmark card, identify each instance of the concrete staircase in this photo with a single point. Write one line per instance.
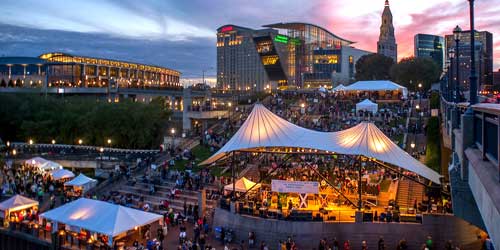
(141, 190)
(408, 192)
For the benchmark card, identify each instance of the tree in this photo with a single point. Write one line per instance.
(411, 71)
(373, 67)
(3, 83)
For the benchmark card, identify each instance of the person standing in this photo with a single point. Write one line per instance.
(381, 243)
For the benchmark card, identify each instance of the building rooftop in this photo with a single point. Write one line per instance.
(301, 26)
(60, 57)
(21, 60)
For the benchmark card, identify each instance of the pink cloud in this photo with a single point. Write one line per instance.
(438, 19)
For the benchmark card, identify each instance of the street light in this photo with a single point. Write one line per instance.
(30, 142)
(80, 141)
(53, 141)
(172, 131)
(302, 105)
(417, 107)
(473, 77)
(412, 145)
(109, 141)
(8, 143)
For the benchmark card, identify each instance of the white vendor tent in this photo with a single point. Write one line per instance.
(43, 164)
(322, 89)
(50, 166)
(341, 87)
(367, 105)
(37, 161)
(61, 174)
(100, 217)
(16, 203)
(241, 185)
(263, 130)
(378, 85)
(82, 181)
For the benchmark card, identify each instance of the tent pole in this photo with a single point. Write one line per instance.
(232, 173)
(285, 160)
(360, 202)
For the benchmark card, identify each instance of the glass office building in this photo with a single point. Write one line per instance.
(283, 55)
(484, 57)
(430, 46)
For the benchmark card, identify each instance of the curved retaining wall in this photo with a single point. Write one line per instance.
(308, 234)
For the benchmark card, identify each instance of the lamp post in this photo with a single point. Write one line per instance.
(451, 93)
(473, 77)
(14, 153)
(456, 36)
(172, 131)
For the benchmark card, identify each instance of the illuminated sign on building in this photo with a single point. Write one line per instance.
(281, 39)
(270, 60)
(226, 29)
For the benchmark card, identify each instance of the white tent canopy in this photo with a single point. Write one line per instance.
(16, 203)
(43, 164)
(37, 161)
(378, 85)
(322, 89)
(99, 216)
(62, 174)
(367, 105)
(263, 129)
(82, 181)
(241, 185)
(50, 166)
(341, 87)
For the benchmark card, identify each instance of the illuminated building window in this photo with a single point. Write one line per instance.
(270, 60)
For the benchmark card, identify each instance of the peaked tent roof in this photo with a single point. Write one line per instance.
(80, 180)
(366, 139)
(241, 185)
(36, 161)
(100, 216)
(61, 174)
(377, 85)
(341, 87)
(367, 102)
(263, 129)
(17, 202)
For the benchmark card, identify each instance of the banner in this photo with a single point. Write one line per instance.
(301, 187)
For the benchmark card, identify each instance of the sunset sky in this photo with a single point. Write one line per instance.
(188, 26)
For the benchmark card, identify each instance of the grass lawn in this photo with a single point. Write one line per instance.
(201, 153)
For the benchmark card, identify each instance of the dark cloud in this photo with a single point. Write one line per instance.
(190, 56)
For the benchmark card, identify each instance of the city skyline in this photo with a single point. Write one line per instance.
(186, 30)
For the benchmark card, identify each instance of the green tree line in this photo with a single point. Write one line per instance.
(66, 120)
(408, 72)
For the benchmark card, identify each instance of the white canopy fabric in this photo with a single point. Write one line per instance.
(17, 202)
(263, 129)
(50, 166)
(82, 181)
(322, 89)
(61, 174)
(341, 87)
(37, 161)
(100, 216)
(241, 185)
(367, 105)
(378, 85)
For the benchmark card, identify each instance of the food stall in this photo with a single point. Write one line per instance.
(99, 223)
(79, 185)
(18, 209)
